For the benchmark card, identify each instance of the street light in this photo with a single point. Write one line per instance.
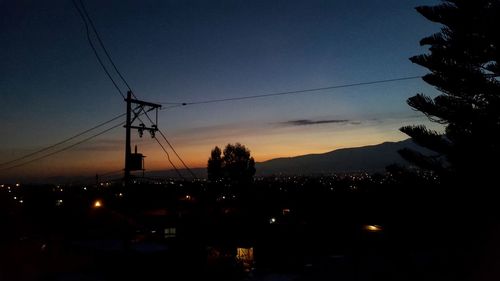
(97, 204)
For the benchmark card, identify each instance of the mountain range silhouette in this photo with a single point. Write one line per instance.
(370, 159)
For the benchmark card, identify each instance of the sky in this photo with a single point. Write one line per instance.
(52, 87)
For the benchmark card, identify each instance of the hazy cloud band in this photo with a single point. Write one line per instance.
(308, 122)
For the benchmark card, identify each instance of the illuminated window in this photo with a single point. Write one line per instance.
(245, 257)
(170, 232)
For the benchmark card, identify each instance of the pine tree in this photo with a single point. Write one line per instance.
(463, 62)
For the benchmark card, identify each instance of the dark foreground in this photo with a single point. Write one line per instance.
(274, 229)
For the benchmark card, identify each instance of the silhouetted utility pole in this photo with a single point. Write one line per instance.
(134, 162)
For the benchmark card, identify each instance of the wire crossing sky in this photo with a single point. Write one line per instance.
(87, 20)
(303, 91)
(204, 51)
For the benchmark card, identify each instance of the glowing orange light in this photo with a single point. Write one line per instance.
(97, 204)
(373, 228)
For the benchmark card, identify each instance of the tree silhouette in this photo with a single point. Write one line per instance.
(463, 61)
(236, 165)
(214, 167)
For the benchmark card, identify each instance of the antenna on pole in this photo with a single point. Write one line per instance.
(134, 162)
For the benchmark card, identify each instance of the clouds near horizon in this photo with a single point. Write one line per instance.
(308, 122)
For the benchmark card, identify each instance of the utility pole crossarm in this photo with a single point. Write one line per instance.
(144, 103)
(153, 127)
(130, 158)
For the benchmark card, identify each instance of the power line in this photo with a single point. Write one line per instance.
(163, 148)
(178, 104)
(95, 50)
(169, 160)
(173, 149)
(102, 44)
(86, 17)
(184, 164)
(169, 107)
(173, 105)
(166, 152)
(62, 142)
(170, 145)
(63, 149)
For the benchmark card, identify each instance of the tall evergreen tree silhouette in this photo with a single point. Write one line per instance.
(463, 63)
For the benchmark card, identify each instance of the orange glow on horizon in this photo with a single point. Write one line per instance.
(264, 144)
(195, 156)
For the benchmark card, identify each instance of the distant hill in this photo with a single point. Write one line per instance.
(371, 159)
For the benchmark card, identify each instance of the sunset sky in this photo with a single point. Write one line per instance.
(52, 87)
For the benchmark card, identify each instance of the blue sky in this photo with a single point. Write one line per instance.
(180, 51)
